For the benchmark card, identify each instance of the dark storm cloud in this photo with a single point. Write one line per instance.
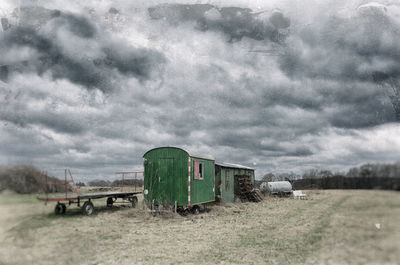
(351, 104)
(354, 104)
(80, 26)
(235, 22)
(263, 94)
(50, 57)
(37, 17)
(349, 62)
(49, 53)
(363, 47)
(346, 50)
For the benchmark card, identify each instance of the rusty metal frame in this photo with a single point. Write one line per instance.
(123, 173)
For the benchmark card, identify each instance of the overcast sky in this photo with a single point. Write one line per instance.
(277, 85)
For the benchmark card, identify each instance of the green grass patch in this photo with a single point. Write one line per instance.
(9, 197)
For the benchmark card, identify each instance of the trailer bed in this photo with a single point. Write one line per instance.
(94, 195)
(88, 207)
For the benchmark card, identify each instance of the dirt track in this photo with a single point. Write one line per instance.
(333, 227)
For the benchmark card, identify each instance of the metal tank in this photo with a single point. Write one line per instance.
(276, 187)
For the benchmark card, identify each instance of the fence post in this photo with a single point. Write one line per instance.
(65, 183)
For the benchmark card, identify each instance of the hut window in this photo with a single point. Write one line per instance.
(227, 180)
(198, 170)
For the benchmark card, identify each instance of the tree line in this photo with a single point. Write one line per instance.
(368, 176)
(28, 179)
(115, 183)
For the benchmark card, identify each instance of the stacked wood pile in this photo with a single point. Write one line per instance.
(246, 190)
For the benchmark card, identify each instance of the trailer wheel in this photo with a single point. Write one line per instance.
(60, 208)
(134, 201)
(196, 210)
(110, 202)
(88, 208)
(64, 208)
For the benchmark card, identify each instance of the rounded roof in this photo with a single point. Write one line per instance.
(202, 156)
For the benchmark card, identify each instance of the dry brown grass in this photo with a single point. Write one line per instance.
(332, 227)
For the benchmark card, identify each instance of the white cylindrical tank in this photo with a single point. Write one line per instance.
(277, 187)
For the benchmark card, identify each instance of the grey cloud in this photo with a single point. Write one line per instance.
(252, 141)
(33, 16)
(362, 47)
(30, 107)
(300, 151)
(37, 17)
(48, 53)
(4, 24)
(58, 122)
(342, 104)
(138, 63)
(78, 25)
(4, 73)
(298, 110)
(356, 104)
(25, 144)
(359, 54)
(235, 22)
(51, 58)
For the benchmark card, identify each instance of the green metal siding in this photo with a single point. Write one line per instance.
(166, 175)
(226, 174)
(228, 185)
(202, 190)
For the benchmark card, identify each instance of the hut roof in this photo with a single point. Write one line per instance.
(202, 156)
(223, 164)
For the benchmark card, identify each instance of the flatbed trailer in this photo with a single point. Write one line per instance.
(88, 207)
(77, 198)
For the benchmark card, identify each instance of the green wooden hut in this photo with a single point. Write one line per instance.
(226, 181)
(173, 176)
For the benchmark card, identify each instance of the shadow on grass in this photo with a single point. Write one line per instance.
(33, 222)
(74, 211)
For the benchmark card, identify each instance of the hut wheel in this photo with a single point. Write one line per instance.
(196, 209)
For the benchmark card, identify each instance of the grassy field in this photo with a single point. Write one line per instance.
(332, 227)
